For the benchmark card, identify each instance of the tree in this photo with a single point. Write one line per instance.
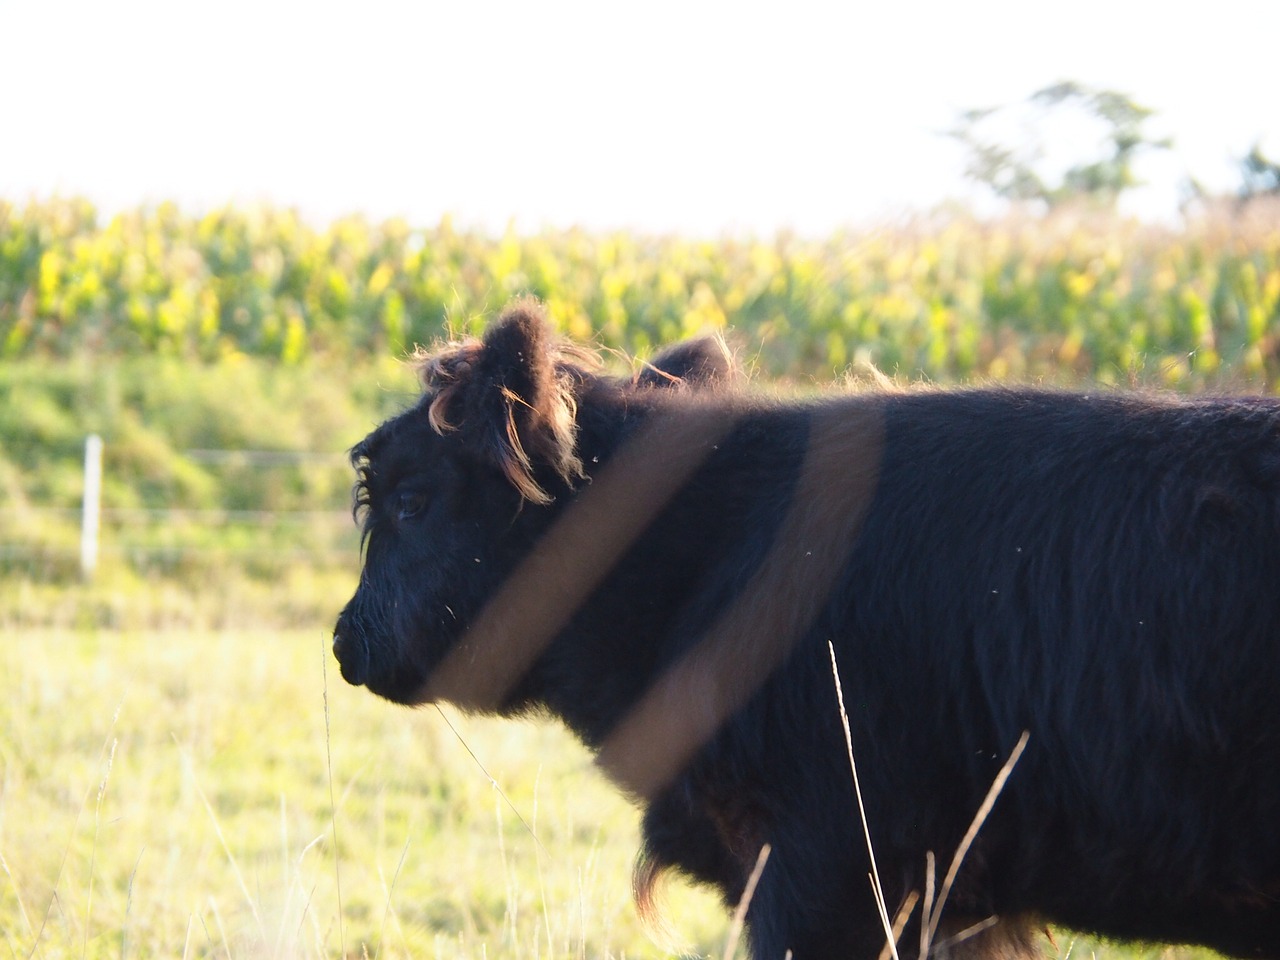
(1259, 174)
(1018, 171)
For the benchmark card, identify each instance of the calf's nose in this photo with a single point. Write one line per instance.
(352, 653)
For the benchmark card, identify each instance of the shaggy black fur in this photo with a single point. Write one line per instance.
(662, 561)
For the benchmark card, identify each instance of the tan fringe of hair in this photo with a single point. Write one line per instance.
(644, 893)
(448, 372)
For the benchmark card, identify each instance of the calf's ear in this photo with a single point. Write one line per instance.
(515, 358)
(699, 363)
(507, 398)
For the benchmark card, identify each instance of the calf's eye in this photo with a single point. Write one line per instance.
(410, 505)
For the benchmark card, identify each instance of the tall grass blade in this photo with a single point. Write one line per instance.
(333, 808)
(93, 853)
(900, 921)
(744, 904)
(386, 910)
(17, 892)
(978, 818)
(876, 888)
(926, 905)
(66, 851)
(128, 906)
(492, 782)
(222, 840)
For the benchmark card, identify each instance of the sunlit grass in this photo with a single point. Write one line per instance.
(168, 794)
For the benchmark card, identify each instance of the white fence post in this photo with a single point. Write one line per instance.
(92, 505)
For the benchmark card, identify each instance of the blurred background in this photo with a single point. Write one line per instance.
(221, 226)
(696, 118)
(224, 226)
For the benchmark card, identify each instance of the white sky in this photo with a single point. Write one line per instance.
(664, 116)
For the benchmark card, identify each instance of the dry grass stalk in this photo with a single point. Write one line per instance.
(931, 909)
(744, 903)
(876, 887)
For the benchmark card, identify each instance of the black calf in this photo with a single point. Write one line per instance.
(662, 561)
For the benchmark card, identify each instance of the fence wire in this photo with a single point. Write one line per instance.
(45, 541)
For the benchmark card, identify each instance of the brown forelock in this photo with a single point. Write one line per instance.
(448, 372)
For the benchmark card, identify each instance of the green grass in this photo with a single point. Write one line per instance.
(167, 794)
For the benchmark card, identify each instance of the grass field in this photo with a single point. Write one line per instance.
(176, 795)
(226, 794)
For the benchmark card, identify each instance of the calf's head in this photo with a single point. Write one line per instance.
(441, 492)
(453, 492)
